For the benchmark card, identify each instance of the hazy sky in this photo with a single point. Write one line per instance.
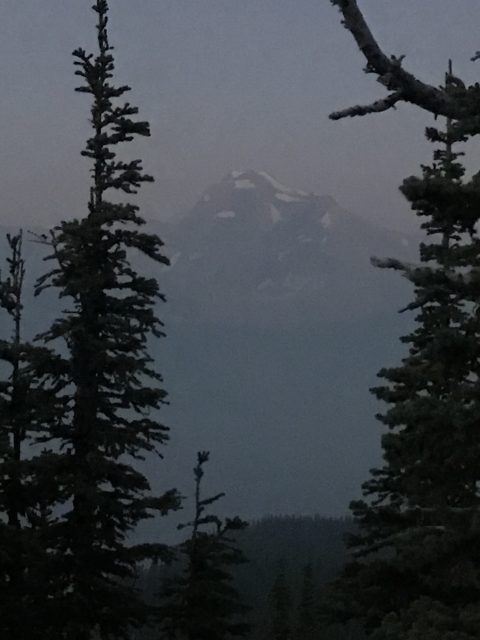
(226, 85)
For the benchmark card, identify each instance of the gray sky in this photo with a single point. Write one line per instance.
(225, 84)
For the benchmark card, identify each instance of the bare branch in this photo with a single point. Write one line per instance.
(475, 57)
(376, 107)
(39, 238)
(394, 77)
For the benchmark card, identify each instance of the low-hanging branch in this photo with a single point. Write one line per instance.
(403, 85)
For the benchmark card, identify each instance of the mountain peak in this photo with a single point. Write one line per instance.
(264, 250)
(266, 183)
(254, 196)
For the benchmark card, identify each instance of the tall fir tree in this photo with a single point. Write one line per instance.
(112, 386)
(417, 572)
(202, 603)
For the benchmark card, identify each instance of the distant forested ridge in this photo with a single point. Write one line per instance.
(291, 542)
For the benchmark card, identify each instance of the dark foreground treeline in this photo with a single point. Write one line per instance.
(289, 561)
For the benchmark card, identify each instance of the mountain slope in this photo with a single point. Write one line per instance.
(277, 325)
(252, 251)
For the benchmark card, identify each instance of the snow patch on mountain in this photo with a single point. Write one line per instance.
(278, 185)
(295, 283)
(275, 183)
(285, 197)
(304, 238)
(225, 214)
(275, 214)
(244, 184)
(283, 254)
(326, 220)
(265, 284)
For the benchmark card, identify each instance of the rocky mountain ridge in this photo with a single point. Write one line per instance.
(254, 251)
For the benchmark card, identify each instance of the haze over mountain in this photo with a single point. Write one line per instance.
(276, 326)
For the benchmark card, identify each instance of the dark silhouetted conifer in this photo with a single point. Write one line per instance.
(113, 390)
(28, 408)
(417, 573)
(202, 603)
(15, 429)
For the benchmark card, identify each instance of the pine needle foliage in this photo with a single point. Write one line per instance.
(202, 603)
(417, 567)
(112, 386)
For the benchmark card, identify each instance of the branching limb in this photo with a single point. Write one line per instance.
(376, 107)
(39, 238)
(42, 238)
(394, 77)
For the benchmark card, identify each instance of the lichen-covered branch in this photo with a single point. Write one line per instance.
(395, 78)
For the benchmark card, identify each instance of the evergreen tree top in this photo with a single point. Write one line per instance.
(202, 603)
